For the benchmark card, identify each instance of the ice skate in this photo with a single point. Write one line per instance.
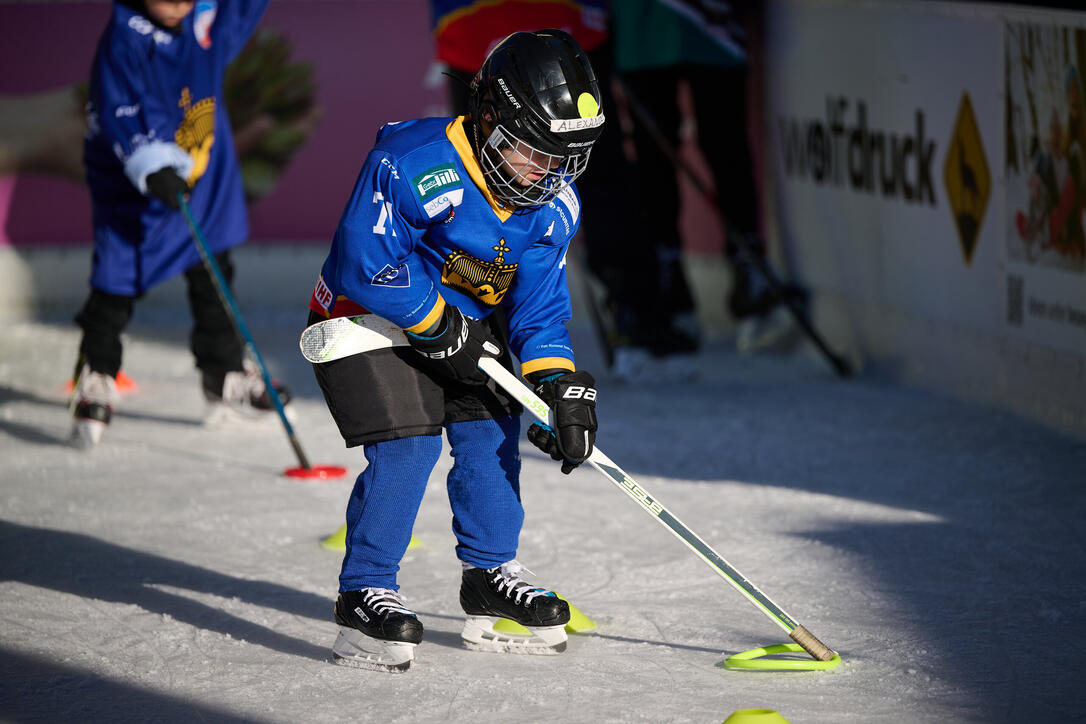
(664, 350)
(376, 630)
(93, 399)
(241, 396)
(763, 321)
(637, 365)
(750, 294)
(487, 595)
(631, 364)
(758, 333)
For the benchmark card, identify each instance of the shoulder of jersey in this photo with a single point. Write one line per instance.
(427, 162)
(401, 138)
(135, 29)
(567, 198)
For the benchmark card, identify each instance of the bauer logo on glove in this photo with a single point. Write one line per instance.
(457, 345)
(572, 398)
(454, 349)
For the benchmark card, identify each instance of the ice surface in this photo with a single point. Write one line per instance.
(174, 573)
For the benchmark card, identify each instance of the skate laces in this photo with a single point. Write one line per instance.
(241, 388)
(508, 580)
(95, 387)
(385, 600)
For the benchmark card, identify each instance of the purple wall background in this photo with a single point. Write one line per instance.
(370, 62)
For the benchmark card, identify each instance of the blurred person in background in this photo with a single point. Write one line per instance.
(658, 45)
(157, 128)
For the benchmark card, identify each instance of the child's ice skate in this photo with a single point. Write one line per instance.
(487, 595)
(376, 630)
(240, 396)
(93, 398)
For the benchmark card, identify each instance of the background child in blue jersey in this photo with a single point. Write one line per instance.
(157, 126)
(457, 231)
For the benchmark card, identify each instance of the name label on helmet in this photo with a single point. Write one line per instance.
(576, 124)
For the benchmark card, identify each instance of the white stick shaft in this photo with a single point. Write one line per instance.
(531, 402)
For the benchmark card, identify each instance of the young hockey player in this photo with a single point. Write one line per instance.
(157, 126)
(457, 231)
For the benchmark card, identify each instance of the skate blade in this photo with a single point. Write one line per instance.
(86, 433)
(478, 634)
(354, 648)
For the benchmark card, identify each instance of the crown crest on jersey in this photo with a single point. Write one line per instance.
(196, 134)
(486, 281)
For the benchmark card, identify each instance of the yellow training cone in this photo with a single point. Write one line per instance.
(338, 541)
(505, 625)
(755, 716)
(578, 622)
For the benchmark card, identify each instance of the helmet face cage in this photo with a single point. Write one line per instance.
(521, 175)
(535, 111)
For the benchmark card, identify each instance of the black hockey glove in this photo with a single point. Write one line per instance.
(572, 398)
(164, 184)
(455, 349)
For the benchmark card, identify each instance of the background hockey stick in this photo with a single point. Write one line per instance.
(648, 122)
(345, 336)
(305, 470)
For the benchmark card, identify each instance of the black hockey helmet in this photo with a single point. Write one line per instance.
(536, 110)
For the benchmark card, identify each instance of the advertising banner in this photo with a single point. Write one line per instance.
(1045, 168)
(930, 157)
(883, 121)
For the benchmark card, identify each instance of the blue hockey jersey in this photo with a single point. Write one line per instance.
(421, 230)
(156, 100)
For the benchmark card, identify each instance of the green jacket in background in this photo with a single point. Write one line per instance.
(660, 33)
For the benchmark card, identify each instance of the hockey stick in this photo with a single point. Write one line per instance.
(342, 337)
(645, 118)
(242, 331)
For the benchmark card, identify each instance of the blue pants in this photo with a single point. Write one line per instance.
(484, 494)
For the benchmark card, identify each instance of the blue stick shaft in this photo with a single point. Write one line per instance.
(239, 324)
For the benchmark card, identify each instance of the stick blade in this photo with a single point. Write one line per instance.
(810, 644)
(340, 337)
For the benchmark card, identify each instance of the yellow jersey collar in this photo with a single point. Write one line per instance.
(459, 138)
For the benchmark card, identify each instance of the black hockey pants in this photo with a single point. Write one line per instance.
(213, 341)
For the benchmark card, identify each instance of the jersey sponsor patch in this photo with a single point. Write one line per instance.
(562, 216)
(203, 19)
(322, 294)
(436, 181)
(438, 188)
(569, 198)
(436, 206)
(399, 276)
